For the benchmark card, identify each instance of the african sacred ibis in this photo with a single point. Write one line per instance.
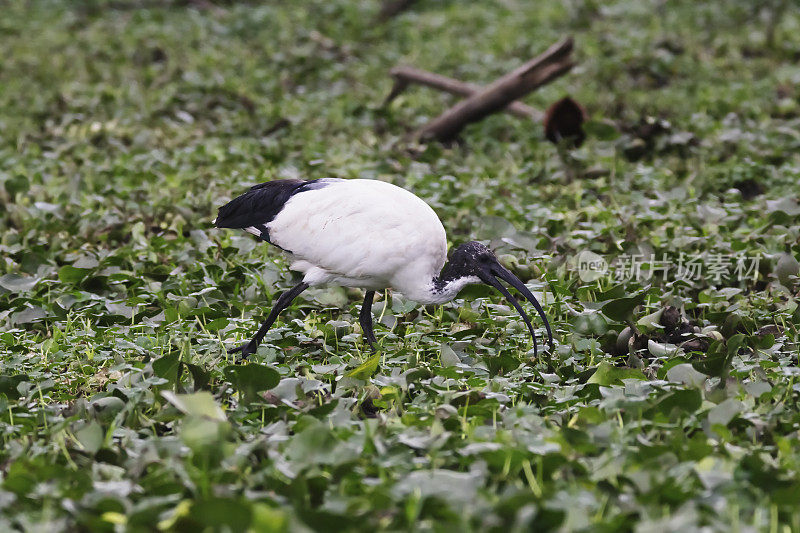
(368, 234)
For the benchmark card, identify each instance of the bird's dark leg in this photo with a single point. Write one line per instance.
(283, 302)
(365, 317)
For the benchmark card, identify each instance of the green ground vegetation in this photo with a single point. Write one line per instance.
(124, 124)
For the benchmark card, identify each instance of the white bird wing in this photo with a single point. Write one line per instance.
(361, 230)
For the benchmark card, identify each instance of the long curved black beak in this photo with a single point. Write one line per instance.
(490, 275)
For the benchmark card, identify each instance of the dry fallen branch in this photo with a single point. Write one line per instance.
(403, 76)
(501, 93)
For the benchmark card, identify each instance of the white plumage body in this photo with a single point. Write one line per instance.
(363, 233)
(368, 234)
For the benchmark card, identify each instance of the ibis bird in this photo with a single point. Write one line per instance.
(368, 234)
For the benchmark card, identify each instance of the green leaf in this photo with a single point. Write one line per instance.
(621, 309)
(217, 324)
(28, 315)
(603, 130)
(447, 356)
(252, 378)
(719, 358)
(651, 321)
(365, 369)
(686, 400)
(17, 184)
(607, 374)
(105, 409)
(687, 374)
(199, 404)
(725, 412)
(91, 437)
(9, 384)
(200, 376)
(167, 367)
(71, 274)
(223, 514)
(268, 519)
(17, 283)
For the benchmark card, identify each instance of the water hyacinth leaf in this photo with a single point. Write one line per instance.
(222, 514)
(9, 385)
(688, 401)
(200, 376)
(167, 367)
(365, 369)
(725, 412)
(217, 324)
(71, 274)
(28, 315)
(455, 487)
(621, 309)
(686, 374)
(17, 283)
(252, 378)
(106, 409)
(720, 357)
(91, 437)
(607, 374)
(199, 404)
(332, 297)
(651, 321)
(447, 356)
(269, 519)
(602, 130)
(317, 444)
(16, 184)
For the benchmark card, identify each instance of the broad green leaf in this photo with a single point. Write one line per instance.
(269, 519)
(621, 309)
(252, 378)
(200, 404)
(71, 274)
(17, 283)
(607, 374)
(91, 437)
(365, 369)
(105, 409)
(685, 373)
(685, 400)
(223, 513)
(718, 361)
(603, 130)
(28, 315)
(200, 376)
(167, 367)
(447, 356)
(9, 384)
(651, 321)
(725, 412)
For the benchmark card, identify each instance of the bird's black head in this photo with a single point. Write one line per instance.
(475, 259)
(471, 258)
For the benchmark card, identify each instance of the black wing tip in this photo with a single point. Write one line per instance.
(259, 205)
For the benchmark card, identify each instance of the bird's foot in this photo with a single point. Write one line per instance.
(245, 349)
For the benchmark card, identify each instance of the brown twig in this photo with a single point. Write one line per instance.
(403, 76)
(540, 70)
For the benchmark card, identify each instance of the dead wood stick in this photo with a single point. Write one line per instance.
(540, 70)
(403, 76)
